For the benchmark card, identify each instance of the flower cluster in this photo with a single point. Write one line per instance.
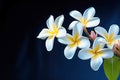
(97, 52)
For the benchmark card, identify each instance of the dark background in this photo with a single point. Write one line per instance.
(24, 57)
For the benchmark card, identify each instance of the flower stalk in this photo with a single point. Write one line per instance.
(89, 35)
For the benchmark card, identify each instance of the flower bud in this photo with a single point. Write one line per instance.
(93, 35)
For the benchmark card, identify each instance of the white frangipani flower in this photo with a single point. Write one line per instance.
(111, 36)
(97, 53)
(55, 29)
(73, 41)
(86, 20)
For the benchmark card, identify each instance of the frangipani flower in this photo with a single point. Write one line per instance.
(55, 29)
(73, 41)
(86, 20)
(109, 37)
(97, 53)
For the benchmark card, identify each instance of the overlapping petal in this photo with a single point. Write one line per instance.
(93, 22)
(99, 42)
(49, 43)
(78, 29)
(43, 34)
(72, 24)
(61, 33)
(108, 53)
(89, 13)
(110, 46)
(65, 40)
(114, 29)
(84, 42)
(59, 20)
(84, 54)
(69, 52)
(95, 63)
(117, 37)
(76, 14)
(101, 31)
(50, 21)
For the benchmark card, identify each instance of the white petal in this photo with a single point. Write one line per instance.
(59, 20)
(77, 29)
(65, 40)
(69, 52)
(101, 31)
(43, 34)
(117, 37)
(93, 22)
(114, 29)
(61, 32)
(99, 41)
(108, 53)
(76, 14)
(89, 13)
(84, 55)
(96, 63)
(110, 46)
(49, 43)
(72, 24)
(84, 43)
(50, 21)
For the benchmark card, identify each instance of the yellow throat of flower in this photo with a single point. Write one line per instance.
(74, 40)
(109, 38)
(84, 21)
(96, 52)
(54, 30)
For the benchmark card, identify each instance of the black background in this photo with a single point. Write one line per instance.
(24, 57)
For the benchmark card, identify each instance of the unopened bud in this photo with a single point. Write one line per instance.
(93, 35)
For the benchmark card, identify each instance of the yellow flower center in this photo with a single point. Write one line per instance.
(54, 30)
(96, 51)
(109, 38)
(74, 40)
(84, 21)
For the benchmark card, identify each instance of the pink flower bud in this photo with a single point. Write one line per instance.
(93, 35)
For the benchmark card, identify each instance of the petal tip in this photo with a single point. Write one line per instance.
(51, 15)
(38, 37)
(115, 25)
(71, 12)
(91, 8)
(49, 49)
(95, 69)
(62, 16)
(68, 56)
